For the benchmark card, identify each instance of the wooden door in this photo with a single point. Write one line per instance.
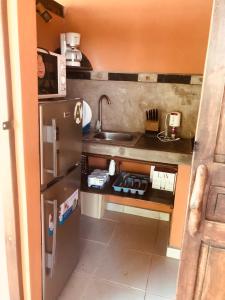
(202, 268)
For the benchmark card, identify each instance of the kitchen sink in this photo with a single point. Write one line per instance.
(114, 136)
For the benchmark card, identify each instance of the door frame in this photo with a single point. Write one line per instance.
(11, 279)
(20, 20)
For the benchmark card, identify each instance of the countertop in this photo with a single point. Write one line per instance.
(182, 146)
(146, 148)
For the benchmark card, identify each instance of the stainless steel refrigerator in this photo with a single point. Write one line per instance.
(60, 153)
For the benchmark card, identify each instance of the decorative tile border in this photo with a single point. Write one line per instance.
(99, 75)
(147, 77)
(196, 79)
(136, 77)
(78, 75)
(123, 76)
(164, 78)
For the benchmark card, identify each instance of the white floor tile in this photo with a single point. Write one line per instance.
(125, 267)
(102, 290)
(116, 260)
(135, 237)
(162, 277)
(96, 230)
(91, 254)
(75, 288)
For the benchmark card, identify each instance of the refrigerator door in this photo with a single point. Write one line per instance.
(60, 137)
(60, 233)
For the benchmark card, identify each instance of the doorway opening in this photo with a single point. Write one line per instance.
(124, 252)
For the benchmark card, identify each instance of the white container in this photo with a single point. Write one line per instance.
(112, 167)
(164, 181)
(175, 118)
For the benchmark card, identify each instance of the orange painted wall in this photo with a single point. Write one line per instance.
(48, 33)
(180, 206)
(130, 35)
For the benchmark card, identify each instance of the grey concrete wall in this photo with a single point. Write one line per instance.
(130, 100)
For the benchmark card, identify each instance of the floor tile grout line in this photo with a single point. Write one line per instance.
(164, 298)
(111, 220)
(101, 261)
(105, 253)
(120, 284)
(94, 274)
(109, 245)
(81, 274)
(94, 241)
(86, 287)
(136, 250)
(147, 283)
(112, 236)
(156, 236)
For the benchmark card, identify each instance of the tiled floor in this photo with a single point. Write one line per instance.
(122, 257)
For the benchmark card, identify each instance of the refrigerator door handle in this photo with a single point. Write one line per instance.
(52, 139)
(55, 161)
(50, 257)
(48, 134)
(41, 128)
(43, 244)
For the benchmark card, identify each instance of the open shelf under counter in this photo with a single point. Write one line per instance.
(153, 199)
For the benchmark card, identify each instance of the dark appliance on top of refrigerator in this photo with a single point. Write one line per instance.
(60, 153)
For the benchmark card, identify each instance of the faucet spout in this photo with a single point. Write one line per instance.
(99, 122)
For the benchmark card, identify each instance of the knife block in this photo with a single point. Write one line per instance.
(152, 126)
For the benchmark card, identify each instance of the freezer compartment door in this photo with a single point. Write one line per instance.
(60, 137)
(60, 233)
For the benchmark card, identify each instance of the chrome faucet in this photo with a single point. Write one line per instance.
(99, 122)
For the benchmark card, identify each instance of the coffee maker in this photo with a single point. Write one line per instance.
(69, 42)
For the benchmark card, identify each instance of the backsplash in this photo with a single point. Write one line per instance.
(130, 100)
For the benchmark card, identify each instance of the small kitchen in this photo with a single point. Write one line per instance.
(133, 93)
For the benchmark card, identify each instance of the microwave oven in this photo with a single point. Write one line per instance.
(51, 74)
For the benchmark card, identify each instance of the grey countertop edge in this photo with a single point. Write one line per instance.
(137, 153)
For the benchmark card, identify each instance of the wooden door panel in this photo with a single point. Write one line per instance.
(213, 233)
(220, 145)
(202, 268)
(215, 210)
(204, 250)
(210, 278)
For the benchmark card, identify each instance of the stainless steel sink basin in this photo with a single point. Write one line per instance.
(114, 136)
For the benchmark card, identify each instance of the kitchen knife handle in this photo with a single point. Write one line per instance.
(154, 115)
